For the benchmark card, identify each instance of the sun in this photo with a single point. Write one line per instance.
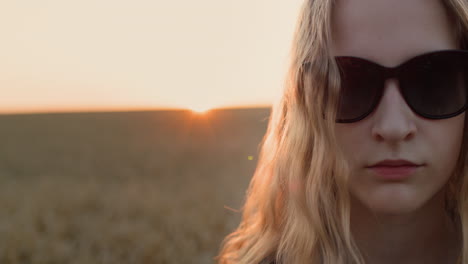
(200, 109)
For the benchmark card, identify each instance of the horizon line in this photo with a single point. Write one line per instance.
(121, 109)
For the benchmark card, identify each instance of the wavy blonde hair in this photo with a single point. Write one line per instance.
(297, 207)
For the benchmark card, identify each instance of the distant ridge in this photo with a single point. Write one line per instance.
(116, 111)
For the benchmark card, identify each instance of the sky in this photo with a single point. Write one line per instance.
(64, 55)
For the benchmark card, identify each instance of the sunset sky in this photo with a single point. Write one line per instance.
(63, 55)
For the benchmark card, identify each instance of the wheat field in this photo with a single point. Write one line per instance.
(124, 187)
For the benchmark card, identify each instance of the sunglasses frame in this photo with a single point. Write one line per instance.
(396, 72)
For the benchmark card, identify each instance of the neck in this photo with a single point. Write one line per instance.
(427, 235)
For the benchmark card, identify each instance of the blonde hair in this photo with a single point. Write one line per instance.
(297, 205)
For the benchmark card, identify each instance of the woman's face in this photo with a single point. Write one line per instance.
(389, 33)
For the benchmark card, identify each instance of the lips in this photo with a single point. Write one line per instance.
(394, 163)
(394, 169)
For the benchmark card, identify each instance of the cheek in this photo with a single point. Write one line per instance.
(444, 139)
(351, 139)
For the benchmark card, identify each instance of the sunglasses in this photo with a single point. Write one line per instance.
(434, 85)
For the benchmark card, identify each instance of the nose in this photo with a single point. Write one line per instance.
(393, 120)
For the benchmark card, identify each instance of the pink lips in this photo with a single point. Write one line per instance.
(394, 169)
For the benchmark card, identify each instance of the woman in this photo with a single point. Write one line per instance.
(364, 159)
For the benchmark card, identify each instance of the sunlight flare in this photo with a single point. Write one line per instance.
(200, 109)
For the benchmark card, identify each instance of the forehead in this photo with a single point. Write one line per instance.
(390, 31)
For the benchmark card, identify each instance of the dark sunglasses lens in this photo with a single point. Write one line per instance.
(435, 85)
(360, 89)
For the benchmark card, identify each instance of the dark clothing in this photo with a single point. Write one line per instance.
(268, 260)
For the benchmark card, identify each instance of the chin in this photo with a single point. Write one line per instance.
(394, 209)
(391, 202)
